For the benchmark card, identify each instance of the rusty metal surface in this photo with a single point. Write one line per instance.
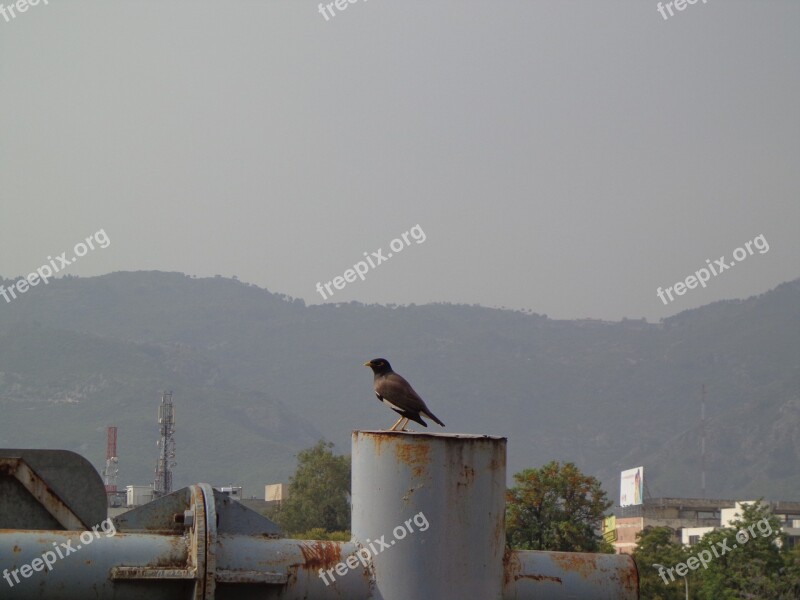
(457, 482)
(157, 516)
(87, 571)
(66, 481)
(296, 563)
(119, 573)
(234, 517)
(165, 515)
(568, 575)
(197, 544)
(41, 492)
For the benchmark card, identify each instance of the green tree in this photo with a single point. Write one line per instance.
(318, 493)
(792, 573)
(657, 546)
(555, 508)
(748, 562)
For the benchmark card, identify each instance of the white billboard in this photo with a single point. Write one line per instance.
(631, 487)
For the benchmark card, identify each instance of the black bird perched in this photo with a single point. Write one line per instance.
(397, 394)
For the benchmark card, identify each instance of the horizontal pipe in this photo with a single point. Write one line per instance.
(310, 567)
(79, 570)
(144, 566)
(569, 575)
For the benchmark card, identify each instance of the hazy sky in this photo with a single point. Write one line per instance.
(563, 156)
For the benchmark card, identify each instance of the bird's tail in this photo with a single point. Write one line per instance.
(433, 417)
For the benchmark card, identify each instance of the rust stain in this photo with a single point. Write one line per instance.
(512, 571)
(511, 566)
(320, 555)
(410, 491)
(584, 565)
(416, 456)
(630, 577)
(499, 529)
(291, 573)
(377, 440)
(548, 578)
(8, 467)
(467, 476)
(498, 463)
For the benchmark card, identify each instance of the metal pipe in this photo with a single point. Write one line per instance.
(457, 483)
(569, 575)
(159, 567)
(208, 548)
(85, 569)
(428, 522)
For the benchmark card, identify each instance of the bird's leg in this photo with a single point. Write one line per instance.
(396, 423)
(404, 425)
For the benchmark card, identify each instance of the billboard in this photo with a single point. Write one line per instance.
(631, 487)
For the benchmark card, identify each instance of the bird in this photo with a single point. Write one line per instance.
(394, 391)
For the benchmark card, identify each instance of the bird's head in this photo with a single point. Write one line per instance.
(379, 366)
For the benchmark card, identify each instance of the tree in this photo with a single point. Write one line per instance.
(750, 563)
(792, 573)
(318, 492)
(657, 546)
(555, 508)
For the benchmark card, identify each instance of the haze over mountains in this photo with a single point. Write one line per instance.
(258, 376)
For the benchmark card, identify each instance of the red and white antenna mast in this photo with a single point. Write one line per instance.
(112, 461)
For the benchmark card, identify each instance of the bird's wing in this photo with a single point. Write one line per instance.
(399, 392)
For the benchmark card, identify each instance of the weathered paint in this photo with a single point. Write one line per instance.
(563, 575)
(455, 482)
(69, 479)
(196, 544)
(38, 488)
(320, 555)
(87, 571)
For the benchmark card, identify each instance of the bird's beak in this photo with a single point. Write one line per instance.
(368, 363)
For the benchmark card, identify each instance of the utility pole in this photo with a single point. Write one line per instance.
(703, 442)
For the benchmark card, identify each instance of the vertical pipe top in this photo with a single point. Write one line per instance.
(436, 502)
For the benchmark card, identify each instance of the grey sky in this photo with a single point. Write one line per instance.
(563, 156)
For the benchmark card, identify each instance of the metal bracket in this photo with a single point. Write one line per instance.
(38, 488)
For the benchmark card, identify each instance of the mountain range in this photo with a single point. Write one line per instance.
(258, 376)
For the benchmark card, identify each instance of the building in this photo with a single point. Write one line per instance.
(276, 492)
(692, 518)
(234, 492)
(138, 495)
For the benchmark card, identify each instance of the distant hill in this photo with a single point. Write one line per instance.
(258, 376)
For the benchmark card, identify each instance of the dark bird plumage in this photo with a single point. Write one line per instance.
(394, 391)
